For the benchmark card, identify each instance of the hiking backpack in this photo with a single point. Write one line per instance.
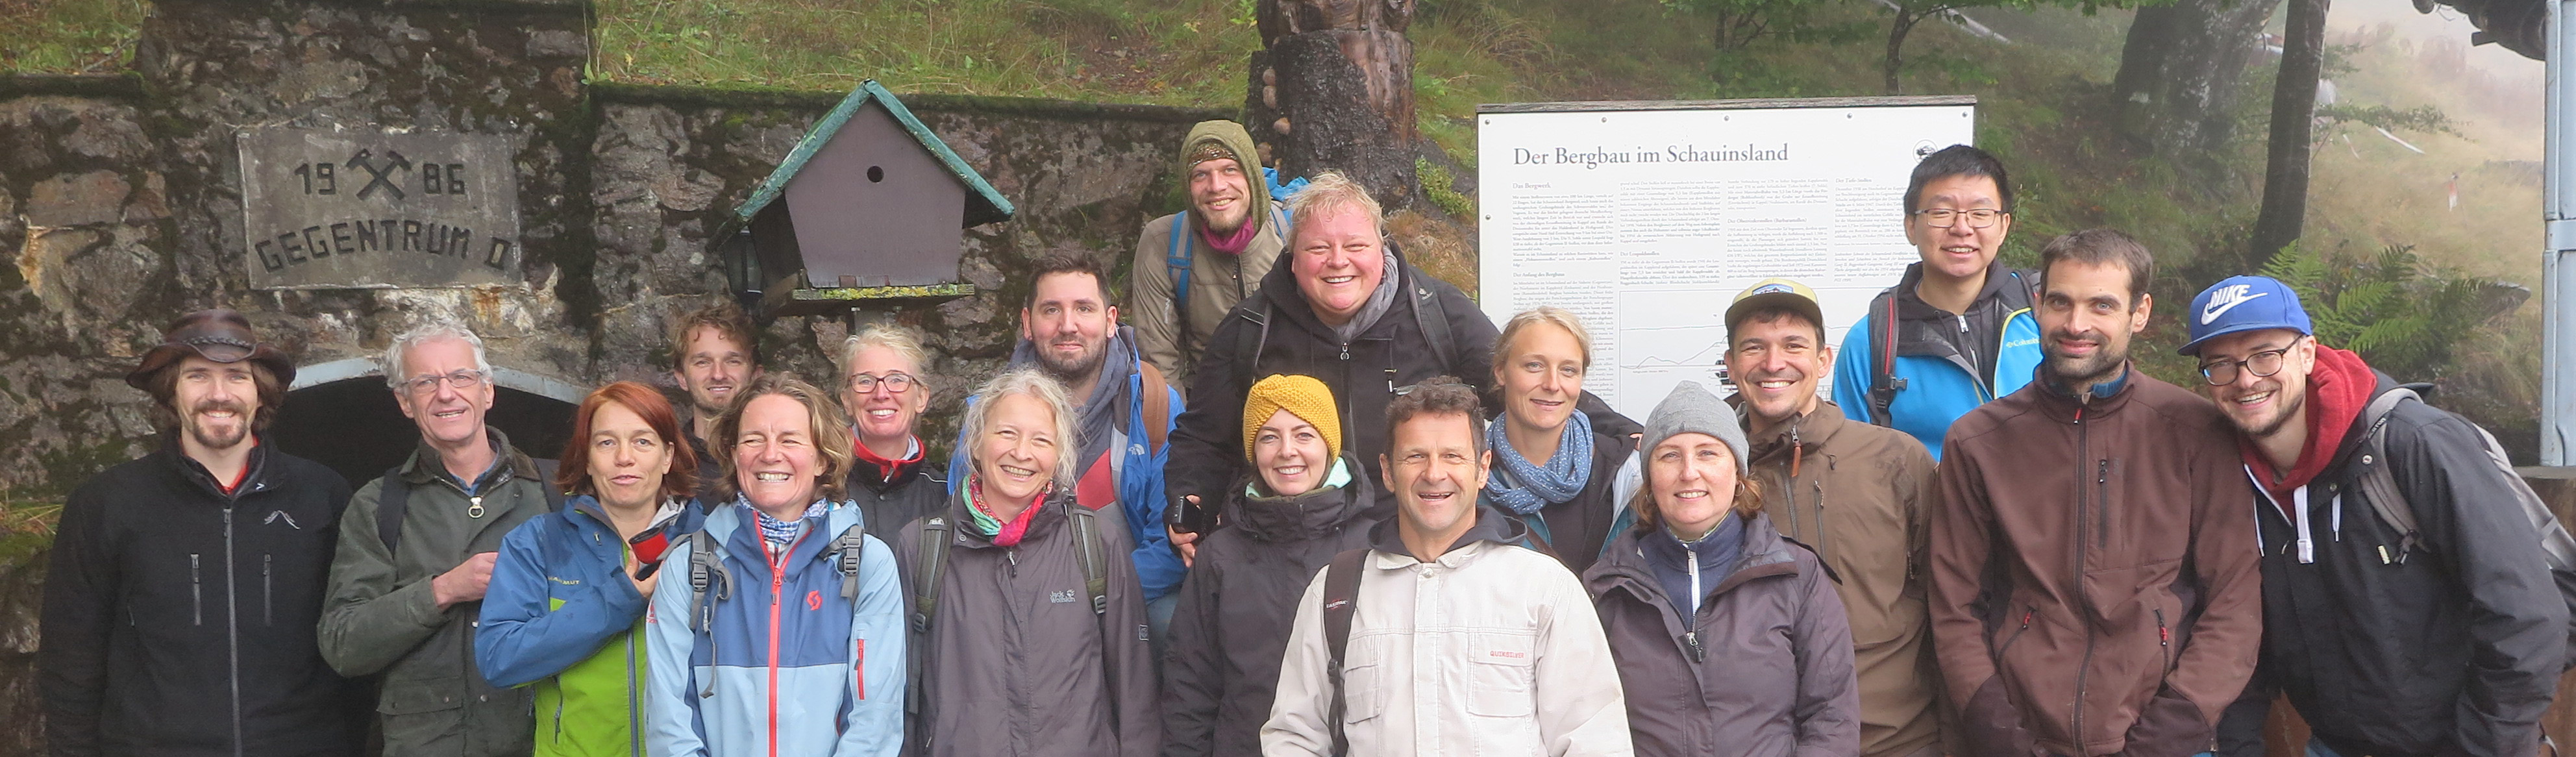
(1182, 249)
(1883, 325)
(707, 572)
(2379, 483)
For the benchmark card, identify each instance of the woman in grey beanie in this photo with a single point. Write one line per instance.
(1716, 620)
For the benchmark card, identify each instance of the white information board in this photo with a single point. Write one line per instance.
(1645, 218)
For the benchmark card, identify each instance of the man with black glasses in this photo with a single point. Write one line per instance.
(1956, 331)
(2443, 635)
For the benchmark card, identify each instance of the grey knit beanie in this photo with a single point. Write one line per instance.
(1692, 409)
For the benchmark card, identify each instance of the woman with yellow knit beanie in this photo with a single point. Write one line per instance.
(1304, 503)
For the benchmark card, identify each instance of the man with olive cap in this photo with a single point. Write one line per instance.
(184, 586)
(1858, 494)
(1192, 267)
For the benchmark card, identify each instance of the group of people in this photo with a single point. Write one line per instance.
(1303, 499)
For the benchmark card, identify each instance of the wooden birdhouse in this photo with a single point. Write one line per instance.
(870, 206)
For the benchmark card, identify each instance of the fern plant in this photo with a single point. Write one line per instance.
(2403, 317)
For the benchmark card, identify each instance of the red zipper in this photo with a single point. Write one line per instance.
(777, 583)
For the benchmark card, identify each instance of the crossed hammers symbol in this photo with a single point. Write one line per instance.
(366, 160)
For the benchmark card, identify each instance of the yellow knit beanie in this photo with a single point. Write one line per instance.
(1301, 396)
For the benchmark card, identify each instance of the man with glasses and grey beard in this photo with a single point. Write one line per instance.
(416, 552)
(2446, 637)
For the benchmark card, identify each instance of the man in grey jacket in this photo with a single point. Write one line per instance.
(416, 551)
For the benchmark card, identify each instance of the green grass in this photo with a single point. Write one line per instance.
(1176, 52)
(68, 36)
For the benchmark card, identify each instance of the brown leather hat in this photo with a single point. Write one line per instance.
(219, 335)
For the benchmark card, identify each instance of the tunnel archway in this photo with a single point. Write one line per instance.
(340, 414)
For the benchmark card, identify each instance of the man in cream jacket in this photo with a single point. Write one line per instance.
(1459, 641)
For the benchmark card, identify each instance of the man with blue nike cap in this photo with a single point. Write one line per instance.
(2446, 638)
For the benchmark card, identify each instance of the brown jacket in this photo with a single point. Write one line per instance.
(2094, 583)
(1859, 495)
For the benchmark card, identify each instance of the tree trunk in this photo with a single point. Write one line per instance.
(1334, 91)
(2294, 107)
(2180, 72)
(1896, 31)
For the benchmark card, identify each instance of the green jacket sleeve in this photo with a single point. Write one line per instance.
(369, 617)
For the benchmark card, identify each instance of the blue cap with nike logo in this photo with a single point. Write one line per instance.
(2243, 303)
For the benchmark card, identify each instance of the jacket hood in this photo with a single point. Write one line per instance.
(1624, 563)
(1104, 412)
(1234, 139)
(1049, 518)
(1314, 513)
(1912, 307)
(1803, 435)
(1491, 525)
(2108, 397)
(1280, 288)
(416, 471)
(2338, 390)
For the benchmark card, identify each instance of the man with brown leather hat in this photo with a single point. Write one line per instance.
(185, 586)
(1192, 267)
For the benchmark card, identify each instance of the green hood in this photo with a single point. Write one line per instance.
(1234, 139)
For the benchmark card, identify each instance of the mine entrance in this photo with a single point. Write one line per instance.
(340, 414)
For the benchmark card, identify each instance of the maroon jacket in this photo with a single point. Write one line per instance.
(2094, 582)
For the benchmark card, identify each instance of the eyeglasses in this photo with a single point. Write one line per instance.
(2261, 364)
(896, 382)
(1942, 218)
(461, 380)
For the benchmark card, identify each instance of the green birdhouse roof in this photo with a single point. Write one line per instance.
(984, 204)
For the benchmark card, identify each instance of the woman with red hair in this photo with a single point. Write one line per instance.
(568, 591)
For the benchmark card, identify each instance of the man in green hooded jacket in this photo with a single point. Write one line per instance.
(1193, 266)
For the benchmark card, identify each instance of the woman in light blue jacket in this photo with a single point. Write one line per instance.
(789, 617)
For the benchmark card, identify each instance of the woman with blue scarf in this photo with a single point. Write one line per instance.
(1553, 464)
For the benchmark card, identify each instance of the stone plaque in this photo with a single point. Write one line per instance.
(336, 209)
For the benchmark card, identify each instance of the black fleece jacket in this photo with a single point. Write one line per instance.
(179, 619)
(2455, 650)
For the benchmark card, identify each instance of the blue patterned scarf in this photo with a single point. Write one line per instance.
(1522, 487)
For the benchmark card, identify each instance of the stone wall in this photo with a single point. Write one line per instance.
(670, 163)
(122, 197)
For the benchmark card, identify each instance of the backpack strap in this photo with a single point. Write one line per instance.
(1341, 603)
(555, 495)
(928, 564)
(1434, 320)
(393, 498)
(1158, 407)
(1883, 381)
(706, 571)
(847, 549)
(925, 576)
(1176, 260)
(1086, 551)
(2379, 479)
